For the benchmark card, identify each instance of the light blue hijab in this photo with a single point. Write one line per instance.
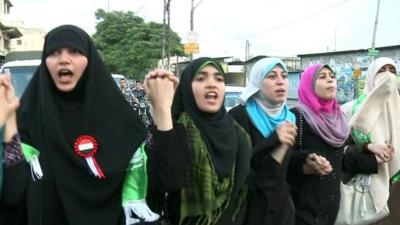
(264, 115)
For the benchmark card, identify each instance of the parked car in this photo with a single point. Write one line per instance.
(232, 94)
(22, 72)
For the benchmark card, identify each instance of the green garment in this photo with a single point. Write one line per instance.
(32, 157)
(204, 198)
(135, 184)
(134, 190)
(358, 136)
(396, 178)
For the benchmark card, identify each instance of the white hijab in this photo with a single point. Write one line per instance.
(254, 87)
(377, 115)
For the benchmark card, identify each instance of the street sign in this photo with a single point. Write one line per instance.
(191, 48)
(373, 52)
(192, 36)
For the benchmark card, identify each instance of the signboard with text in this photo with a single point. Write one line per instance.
(373, 52)
(191, 48)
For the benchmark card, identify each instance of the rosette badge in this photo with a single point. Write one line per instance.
(86, 147)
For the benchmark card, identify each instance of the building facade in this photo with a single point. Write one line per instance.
(32, 39)
(7, 33)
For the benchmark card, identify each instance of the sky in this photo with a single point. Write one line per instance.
(272, 27)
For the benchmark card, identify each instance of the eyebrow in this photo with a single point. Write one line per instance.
(274, 72)
(328, 72)
(205, 73)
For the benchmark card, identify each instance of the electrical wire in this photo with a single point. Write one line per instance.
(280, 26)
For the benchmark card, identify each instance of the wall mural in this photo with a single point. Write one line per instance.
(294, 81)
(349, 87)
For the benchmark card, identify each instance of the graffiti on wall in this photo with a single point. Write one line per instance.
(349, 87)
(294, 81)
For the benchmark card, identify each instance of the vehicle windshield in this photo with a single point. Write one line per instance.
(231, 99)
(21, 75)
(116, 79)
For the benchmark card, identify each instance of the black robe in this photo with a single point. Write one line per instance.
(317, 198)
(50, 121)
(269, 201)
(226, 144)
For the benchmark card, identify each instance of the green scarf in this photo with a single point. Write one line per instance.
(358, 136)
(204, 198)
(134, 190)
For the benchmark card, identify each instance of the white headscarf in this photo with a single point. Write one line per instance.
(254, 88)
(377, 114)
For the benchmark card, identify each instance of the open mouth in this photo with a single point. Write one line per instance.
(211, 95)
(65, 72)
(65, 75)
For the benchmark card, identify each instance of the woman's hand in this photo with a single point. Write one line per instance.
(160, 86)
(287, 133)
(8, 101)
(316, 164)
(383, 153)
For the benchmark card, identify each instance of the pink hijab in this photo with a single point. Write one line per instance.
(307, 94)
(323, 116)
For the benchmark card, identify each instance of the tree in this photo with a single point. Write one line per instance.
(129, 45)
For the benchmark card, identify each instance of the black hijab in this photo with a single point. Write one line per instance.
(217, 129)
(51, 120)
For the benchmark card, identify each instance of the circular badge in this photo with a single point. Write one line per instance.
(85, 146)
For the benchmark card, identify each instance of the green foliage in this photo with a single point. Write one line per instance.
(129, 45)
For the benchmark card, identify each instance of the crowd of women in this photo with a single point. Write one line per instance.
(74, 155)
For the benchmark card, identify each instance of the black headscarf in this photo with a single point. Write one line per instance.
(51, 120)
(217, 129)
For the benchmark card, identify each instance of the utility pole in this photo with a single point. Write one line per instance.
(191, 24)
(108, 5)
(375, 28)
(247, 51)
(163, 38)
(191, 16)
(168, 35)
(166, 49)
(193, 7)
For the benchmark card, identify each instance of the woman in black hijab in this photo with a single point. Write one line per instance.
(202, 155)
(75, 121)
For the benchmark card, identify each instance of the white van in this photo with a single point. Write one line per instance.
(21, 73)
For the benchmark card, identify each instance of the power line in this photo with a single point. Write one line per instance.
(141, 7)
(281, 26)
